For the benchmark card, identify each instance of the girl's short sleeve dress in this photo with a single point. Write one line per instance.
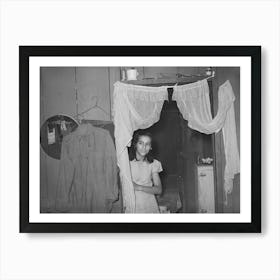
(141, 172)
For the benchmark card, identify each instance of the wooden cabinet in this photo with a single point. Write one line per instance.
(205, 188)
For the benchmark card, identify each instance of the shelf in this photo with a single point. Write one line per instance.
(166, 81)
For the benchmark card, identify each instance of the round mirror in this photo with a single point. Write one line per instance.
(52, 132)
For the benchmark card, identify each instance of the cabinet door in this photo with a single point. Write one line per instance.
(206, 194)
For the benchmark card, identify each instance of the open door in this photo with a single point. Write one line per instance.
(218, 151)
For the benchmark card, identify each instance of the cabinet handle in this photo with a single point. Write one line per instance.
(202, 174)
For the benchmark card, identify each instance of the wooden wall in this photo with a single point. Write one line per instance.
(233, 75)
(57, 96)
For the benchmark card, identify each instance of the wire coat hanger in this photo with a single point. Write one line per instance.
(80, 116)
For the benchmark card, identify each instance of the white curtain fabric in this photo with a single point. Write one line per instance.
(194, 103)
(138, 107)
(134, 107)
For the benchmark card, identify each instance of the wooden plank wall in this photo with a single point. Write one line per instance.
(57, 96)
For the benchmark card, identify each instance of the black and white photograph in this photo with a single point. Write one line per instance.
(142, 137)
(173, 130)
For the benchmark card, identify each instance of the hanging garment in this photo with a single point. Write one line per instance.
(194, 103)
(141, 172)
(87, 179)
(134, 107)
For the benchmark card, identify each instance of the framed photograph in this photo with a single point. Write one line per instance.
(140, 139)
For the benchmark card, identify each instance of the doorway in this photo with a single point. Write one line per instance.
(167, 145)
(179, 149)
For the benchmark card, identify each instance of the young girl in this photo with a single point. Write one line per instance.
(145, 173)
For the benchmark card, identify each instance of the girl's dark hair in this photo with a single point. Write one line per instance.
(132, 150)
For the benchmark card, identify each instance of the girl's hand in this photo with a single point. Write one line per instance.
(137, 187)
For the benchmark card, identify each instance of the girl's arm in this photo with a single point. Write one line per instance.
(155, 189)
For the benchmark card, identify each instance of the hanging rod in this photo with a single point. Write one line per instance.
(169, 81)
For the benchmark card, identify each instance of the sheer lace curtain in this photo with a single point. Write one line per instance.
(194, 103)
(134, 107)
(138, 107)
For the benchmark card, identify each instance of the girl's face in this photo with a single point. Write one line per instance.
(143, 146)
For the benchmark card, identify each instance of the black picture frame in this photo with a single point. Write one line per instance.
(254, 52)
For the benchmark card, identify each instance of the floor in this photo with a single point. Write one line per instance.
(170, 196)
